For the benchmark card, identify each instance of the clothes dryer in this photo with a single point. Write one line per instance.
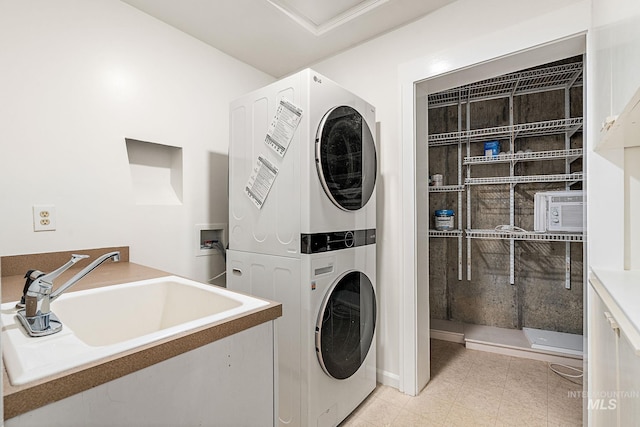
(302, 160)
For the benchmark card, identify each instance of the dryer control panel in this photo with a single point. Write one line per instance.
(336, 240)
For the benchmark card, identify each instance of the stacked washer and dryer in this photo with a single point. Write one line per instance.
(308, 240)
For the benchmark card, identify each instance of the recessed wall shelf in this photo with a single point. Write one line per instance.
(156, 172)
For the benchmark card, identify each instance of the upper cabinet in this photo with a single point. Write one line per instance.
(623, 130)
(614, 134)
(616, 58)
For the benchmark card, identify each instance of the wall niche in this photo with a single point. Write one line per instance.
(156, 172)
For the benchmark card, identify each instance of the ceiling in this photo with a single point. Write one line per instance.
(283, 36)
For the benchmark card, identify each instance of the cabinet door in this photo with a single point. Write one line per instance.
(629, 396)
(601, 52)
(603, 365)
(625, 60)
(616, 55)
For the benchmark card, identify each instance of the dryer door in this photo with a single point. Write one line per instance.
(346, 158)
(346, 325)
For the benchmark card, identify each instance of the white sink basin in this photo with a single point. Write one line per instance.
(102, 322)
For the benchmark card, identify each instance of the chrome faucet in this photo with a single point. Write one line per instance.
(36, 316)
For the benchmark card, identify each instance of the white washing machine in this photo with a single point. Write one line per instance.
(326, 336)
(302, 161)
(339, 341)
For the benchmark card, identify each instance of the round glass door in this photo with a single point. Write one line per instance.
(346, 324)
(346, 158)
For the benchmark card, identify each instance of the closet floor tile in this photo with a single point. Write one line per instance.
(471, 386)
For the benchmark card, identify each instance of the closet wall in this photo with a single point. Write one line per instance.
(478, 289)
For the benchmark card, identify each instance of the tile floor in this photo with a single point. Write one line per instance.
(476, 388)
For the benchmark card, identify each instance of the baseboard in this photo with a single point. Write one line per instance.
(388, 378)
(447, 336)
(446, 330)
(575, 361)
(509, 342)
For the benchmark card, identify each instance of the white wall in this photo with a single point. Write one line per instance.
(77, 77)
(371, 71)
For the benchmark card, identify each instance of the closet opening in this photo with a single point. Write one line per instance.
(506, 266)
(493, 273)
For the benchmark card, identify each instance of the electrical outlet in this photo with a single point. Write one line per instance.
(44, 217)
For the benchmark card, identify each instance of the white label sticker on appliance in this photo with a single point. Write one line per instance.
(261, 180)
(283, 126)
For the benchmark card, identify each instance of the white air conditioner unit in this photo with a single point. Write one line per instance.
(559, 211)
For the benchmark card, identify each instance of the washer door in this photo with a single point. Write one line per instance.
(346, 158)
(346, 324)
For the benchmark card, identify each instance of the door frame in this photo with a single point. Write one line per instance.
(539, 40)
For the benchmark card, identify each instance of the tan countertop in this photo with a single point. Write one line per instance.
(24, 398)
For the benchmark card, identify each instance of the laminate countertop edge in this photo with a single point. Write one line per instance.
(24, 398)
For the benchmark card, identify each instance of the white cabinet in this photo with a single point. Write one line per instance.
(614, 355)
(615, 48)
(614, 96)
(228, 382)
(624, 131)
(603, 360)
(623, 136)
(629, 370)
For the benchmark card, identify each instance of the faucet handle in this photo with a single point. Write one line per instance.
(50, 277)
(31, 276)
